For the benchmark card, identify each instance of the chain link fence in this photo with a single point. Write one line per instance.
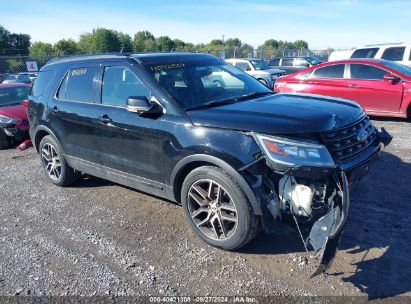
(17, 64)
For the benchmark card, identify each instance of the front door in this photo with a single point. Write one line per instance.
(367, 86)
(128, 142)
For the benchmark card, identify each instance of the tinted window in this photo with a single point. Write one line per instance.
(287, 62)
(406, 70)
(301, 62)
(41, 83)
(362, 71)
(332, 71)
(14, 95)
(393, 54)
(80, 84)
(274, 62)
(119, 83)
(242, 65)
(365, 53)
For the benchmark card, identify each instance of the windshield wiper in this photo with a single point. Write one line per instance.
(227, 101)
(211, 104)
(255, 94)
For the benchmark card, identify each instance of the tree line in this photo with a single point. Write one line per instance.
(103, 40)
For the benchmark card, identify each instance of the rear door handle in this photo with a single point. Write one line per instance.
(353, 86)
(312, 82)
(105, 119)
(54, 109)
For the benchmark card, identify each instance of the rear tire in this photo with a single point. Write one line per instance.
(56, 168)
(217, 208)
(4, 140)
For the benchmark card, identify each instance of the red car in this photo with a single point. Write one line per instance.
(381, 87)
(14, 125)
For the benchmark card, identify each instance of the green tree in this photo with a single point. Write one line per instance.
(85, 43)
(140, 39)
(233, 42)
(165, 44)
(271, 43)
(65, 47)
(105, 40)
(41, 48)
(180, 45)
(300, 44)
(150, 46)
(126, 44)
(4, 40)
(19, 43)
(245, 50)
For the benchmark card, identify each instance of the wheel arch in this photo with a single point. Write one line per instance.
(189, 163)
(40, 133)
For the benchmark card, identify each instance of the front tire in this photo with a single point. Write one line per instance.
(217, 208)
(56, 168)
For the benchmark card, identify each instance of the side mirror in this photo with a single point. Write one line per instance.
(138, 104)
(248, 69)
(392, 78)
(307, 65)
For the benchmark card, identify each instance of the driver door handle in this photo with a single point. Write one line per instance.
(353, 86)
(312, 82)
(105, 119)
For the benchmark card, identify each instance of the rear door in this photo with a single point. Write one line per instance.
(328, 80)
(71, 111)
(366, 85)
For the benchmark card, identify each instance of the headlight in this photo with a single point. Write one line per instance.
(294, 153)
(7, 120)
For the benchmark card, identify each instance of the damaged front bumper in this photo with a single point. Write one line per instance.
(325, 234)
(321, 234)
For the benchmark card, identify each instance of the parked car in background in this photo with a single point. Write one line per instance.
(17, 78)
(381, 87)
(293, 64)
(236, 157)
(31, 75)
(398, 52)
(3, 76)
(14, 125)
(259, 69)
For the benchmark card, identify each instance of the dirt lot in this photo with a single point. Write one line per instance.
(99, 238)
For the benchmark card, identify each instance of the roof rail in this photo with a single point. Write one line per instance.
(85, 56)
(389, 43)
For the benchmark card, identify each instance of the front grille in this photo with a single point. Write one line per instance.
(346, 143)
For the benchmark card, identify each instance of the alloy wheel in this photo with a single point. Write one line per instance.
(51, 161)
(212, 209)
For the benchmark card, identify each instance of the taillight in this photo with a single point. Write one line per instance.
(26, 103)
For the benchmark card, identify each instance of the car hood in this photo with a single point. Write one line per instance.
(14, 111)
(281, 114)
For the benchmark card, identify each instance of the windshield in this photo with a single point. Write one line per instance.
(9, 96)
(403, 69)
(260, 65)
(313, 61)
(197, 83)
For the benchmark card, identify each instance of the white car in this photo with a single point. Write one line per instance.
(259, 69)
(398, 52)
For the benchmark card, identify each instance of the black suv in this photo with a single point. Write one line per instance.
(293, 64)
(236, 156)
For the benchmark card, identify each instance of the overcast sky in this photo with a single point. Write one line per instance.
(337, 24)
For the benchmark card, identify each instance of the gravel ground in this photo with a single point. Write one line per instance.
(99, 238)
